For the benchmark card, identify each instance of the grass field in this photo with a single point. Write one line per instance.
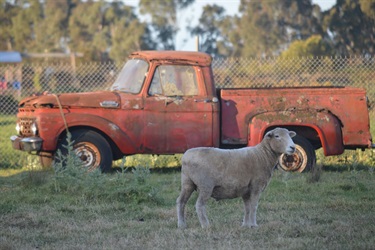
(135, 209)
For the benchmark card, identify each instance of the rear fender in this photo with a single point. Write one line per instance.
(326, 125)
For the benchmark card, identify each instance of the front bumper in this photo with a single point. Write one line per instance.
(27, 144)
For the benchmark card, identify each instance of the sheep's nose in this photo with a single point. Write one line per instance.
(293, 148)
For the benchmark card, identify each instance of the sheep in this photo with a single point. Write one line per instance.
(231, 173)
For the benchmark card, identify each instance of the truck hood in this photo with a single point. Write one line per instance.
(99, 99)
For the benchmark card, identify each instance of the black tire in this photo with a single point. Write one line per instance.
(91, 148)
(303, 160)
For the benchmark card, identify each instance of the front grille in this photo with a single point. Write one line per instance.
(25, 126)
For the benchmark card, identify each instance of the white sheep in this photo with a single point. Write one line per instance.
(231, 173)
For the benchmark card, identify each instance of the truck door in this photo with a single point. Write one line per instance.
(178, 114)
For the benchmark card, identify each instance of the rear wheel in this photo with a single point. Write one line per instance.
(91, 148)
(303, 159)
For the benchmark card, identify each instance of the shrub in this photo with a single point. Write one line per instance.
(71, 177)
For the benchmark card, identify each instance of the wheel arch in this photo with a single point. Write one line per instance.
(120, 142)
(321, 130)
(116, 152)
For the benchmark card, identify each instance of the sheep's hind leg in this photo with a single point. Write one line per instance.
(200, 206)
(187, 188)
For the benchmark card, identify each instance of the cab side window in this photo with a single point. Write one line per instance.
(174, 80)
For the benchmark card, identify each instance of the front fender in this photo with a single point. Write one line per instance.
(326, 125)
(74, 120)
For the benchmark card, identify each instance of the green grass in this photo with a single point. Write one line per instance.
(10, 158)
(135, 209)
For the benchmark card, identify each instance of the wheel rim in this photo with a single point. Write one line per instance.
(294, 162)
(89, 155)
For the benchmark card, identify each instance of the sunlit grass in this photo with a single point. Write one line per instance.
(10, 171)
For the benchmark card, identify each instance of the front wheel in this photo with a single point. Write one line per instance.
(303, 159)
(91, 148)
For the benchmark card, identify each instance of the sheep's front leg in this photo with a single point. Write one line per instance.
(200, 206)
(251, 205)
(246, 218)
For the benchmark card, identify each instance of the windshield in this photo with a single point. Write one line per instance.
(131, 77)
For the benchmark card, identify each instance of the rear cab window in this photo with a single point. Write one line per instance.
(174, 80)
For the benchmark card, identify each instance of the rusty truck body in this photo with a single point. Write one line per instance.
(165, 102)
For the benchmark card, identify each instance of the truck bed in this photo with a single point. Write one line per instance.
(241, 108)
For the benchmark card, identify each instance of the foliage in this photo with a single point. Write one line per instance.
(350, 25)
(165, 26)
(70, 177)
(154, 161)
(368, 7)
(313, 46)
(266, 26)
(51, 26)
(110, 30)
(209, 29)
(350, 160)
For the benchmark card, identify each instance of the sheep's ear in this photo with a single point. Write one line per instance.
(292, 133)
(269, 134)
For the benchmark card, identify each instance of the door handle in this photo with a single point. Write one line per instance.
(207, 100)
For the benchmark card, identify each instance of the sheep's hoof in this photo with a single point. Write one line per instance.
(207, 227)
(181, 225)
(250, 225)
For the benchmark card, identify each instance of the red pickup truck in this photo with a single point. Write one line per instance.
(165, 102)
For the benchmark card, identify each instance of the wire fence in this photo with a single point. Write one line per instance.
(21, 80)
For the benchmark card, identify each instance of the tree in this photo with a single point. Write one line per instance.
(268, 26)
(368, 8)
(87, 33)
(106, 31)
(127, 32)
(351, 26)
(52, 28)
(208, 29)
(164, 21)
(21, 31)
(7, 12)
(313, 46)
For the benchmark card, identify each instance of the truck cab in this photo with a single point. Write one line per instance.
(178, 109)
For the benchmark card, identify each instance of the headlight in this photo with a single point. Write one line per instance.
(34, 129)
(18, 129)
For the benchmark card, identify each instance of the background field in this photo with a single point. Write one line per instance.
(135, 209)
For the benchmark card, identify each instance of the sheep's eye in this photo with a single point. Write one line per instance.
(276, 136)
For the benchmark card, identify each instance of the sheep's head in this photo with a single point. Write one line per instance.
(280, 140)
